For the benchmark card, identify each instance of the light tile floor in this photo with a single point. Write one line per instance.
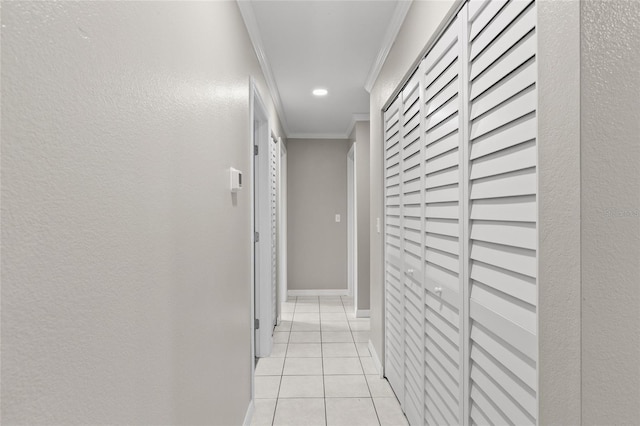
(321, 372)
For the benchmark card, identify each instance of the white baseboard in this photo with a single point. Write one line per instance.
(376, 360)
(249, 414)
(362, 313)
(344, 292)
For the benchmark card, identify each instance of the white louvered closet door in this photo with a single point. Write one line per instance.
(443, 362)
(502, 226)
(394, 311)
(461, 224)
(412, 235)
(273, 199)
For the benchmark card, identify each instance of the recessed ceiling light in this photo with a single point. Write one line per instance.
(320, 92)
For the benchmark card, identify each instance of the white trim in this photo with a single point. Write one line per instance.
(465, 219)
(354, 119)
(323, 292)
(249, 17)
(318, 136)
(249, 414)
(362, 313)
(393, 29)
(375, 359)
(252, 283)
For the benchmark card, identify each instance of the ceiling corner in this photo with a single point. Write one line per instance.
(354, 119)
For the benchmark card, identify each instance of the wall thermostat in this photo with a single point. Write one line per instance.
(236, 180)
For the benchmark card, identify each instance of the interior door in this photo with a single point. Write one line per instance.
(461, 224)
(503, 212)
(264, 237)
(412, 236)
(444, 226)
(394, 293)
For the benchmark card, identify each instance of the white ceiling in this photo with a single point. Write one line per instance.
(337, 45)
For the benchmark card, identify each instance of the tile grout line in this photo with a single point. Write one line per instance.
(273, 418)
(375, 409)
(324, 386)
(286, 351)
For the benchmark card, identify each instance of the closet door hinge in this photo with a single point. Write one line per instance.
(255, 150)
(256, 323)
(256, 237)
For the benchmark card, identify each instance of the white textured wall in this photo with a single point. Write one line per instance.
(610, 78)
(316, 192)
(421, 22)
(558, 60)
(125, 262)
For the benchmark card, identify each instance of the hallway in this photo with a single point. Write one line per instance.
(321, 372)
(466, 169)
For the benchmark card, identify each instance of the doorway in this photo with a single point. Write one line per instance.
(264, 272)
(352, 244)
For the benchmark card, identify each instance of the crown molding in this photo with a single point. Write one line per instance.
(393, 29)
(318, 136)
(249, 17)
(354, 119)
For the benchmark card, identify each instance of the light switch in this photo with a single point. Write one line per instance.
(337, 218)
(235, 179)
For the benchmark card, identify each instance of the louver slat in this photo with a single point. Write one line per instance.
(510, 36)
(509, 13)
(479, 20)
(475, 7)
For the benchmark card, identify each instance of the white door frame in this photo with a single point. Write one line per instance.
(352, 226)
(282, 222)
(260, 222)
(274, 213)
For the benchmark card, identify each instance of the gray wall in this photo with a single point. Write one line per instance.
(316, 192)
(420, 24)
(610, 77)
(361, 137)
(125, 262)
